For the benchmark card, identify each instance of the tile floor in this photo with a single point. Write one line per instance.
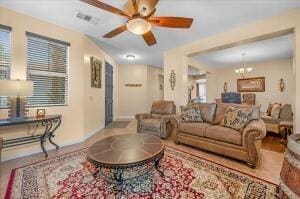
(268, 169)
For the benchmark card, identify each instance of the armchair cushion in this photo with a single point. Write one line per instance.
(142, 116)
(153, 125)
(163, 107)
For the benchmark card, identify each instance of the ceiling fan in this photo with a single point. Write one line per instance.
(140, 18)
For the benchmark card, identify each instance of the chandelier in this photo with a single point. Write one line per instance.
(243, 70)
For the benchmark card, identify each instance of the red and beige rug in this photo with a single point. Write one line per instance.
(186, 176)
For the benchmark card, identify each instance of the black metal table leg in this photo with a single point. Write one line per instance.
(51, 133)
(42, 139)
(118, 175)
(156, 164)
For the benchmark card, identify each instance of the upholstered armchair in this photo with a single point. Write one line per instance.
(158, 121)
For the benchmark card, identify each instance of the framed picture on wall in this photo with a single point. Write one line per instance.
(96, 68)
(254, 84)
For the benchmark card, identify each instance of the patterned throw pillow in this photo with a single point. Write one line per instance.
(191, 114)
(236, 118)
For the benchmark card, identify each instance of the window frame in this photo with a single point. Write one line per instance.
(49, 73)
(9, 29)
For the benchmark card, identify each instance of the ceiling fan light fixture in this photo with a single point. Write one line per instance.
(138, 26)
(130, 57)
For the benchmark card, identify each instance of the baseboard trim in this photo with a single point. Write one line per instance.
(90, 134)
(50, 147)
(35, 151)
(126, 117)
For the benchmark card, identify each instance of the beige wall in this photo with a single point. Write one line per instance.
(153, 81)
(134, 100)
(174, 59)
(77, 115)
(94, 98)
(271, 70)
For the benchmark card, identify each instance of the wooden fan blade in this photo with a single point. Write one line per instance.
(150, 14)
(171, 22)
(149, 38)
(149, 5)
(135, 6)
(106, 7)
(115, 32)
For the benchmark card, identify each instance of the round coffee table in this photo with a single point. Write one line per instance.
(119, 155)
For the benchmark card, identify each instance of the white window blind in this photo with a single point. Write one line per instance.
(47, 67)
(5, 50)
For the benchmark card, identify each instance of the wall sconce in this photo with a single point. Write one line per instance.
(172, 79)
(225, 87)
(281, 85)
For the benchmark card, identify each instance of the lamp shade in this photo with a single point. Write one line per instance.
(14, 88)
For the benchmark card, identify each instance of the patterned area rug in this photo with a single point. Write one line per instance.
(117, 125)
(186, 176)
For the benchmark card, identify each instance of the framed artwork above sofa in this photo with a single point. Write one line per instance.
(254, 84)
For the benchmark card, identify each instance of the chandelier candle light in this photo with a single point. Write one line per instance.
(242, 71)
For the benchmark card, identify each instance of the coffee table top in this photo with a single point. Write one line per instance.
(125, 150)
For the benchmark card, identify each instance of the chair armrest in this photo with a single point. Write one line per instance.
(142, 116)
(253, 133)
(167, 126)
(139, 117)
(255, 129)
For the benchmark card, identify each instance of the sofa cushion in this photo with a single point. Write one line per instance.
(197, 129)
(208, 111)
(236, 118)
(150, 125)
(221, 109)
(162, 107)
(191, 114)
(224, 134)
(157, 116)
(268, 119)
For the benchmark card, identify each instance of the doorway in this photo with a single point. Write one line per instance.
(108, 93)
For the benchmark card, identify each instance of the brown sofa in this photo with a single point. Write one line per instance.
(158, 121)
(210, 136)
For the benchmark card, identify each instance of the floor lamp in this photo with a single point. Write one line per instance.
(17, 90)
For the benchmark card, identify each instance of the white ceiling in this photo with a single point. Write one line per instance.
(210, 17)
(270, 49)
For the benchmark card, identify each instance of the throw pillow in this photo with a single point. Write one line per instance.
(275, 112)
(222, 108)
(255, 110)
(191, 114)
(208, 111)
(269, 109)
(237, 118)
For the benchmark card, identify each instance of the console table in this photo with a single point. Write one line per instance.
(50, 123)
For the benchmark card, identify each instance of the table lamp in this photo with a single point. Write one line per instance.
(17, 90)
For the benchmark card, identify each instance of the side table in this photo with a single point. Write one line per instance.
(49, 122)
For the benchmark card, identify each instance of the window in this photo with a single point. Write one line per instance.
(47, 67)
(5, 50)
